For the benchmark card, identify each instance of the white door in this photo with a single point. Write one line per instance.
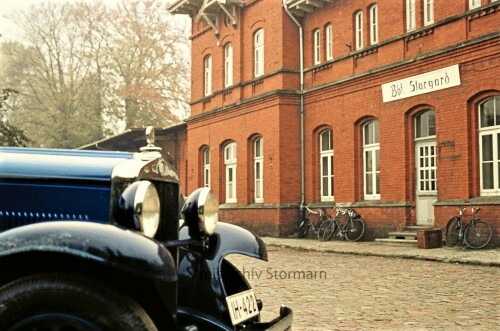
(426, 191)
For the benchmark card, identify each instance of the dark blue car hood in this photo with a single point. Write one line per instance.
(60, 164)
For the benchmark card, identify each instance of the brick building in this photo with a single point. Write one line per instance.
(389, 107)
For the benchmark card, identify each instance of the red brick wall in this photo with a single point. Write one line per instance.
(274, 123)
(343, 94)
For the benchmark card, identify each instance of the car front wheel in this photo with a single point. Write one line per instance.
(53, 302)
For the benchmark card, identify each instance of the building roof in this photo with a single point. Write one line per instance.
(303, 7)
(131, 140)
(208, 10)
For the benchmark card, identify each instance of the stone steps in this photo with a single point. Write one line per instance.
(405, 237)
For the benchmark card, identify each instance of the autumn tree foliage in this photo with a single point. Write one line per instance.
(84, 70)
(9, 134)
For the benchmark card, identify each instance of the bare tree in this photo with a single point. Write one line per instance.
(84, 69)
(148, 52)
(55, 77)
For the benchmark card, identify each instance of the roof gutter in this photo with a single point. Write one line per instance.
(302, 122)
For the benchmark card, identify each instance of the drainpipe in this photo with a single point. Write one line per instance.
(302, 147)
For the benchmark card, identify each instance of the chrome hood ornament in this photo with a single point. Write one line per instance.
(150, 139)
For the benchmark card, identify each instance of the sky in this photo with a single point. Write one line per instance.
(10, 31)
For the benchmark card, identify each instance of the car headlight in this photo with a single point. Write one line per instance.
(201, 212)
(139, 205)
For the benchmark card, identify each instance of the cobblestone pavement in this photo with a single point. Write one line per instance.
(331, 291)
(489, 256)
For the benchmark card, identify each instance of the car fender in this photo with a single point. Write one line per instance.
(104, 244)
(202, 280)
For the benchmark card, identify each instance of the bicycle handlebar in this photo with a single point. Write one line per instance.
(475, 211)
(338, 210)
(313, 211)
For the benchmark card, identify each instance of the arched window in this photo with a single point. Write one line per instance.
(258, 166)
(410, 15)
(326, 164)
(489, 145)
(425, 124)
(425, 145)
(228, 65)
(208, 74)
(371, 161)
(358, 29)
(230, 163)
(474, 4)
(329, 42)
(317, 46)
(428, 12)
(206, 166)
(258, 43)
(373, 24)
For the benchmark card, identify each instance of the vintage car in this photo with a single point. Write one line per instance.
(93, 240)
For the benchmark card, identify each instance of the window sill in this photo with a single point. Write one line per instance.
(478, 13)
(476, 201)
(361, 204)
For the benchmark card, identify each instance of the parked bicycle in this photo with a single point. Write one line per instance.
(347, 224)
(305, 224)
(476, 234)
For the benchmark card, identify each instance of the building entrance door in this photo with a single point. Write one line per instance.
(426, 191)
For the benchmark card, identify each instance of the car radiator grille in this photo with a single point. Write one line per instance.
(169, 203)
(12, 219)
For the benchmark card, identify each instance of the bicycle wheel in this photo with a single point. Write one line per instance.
(321, 220)
(452, 232)
(478, 234)
(303, 228)
(327, 230)
(321, 230)
(354, 229)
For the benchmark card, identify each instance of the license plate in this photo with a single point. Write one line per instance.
(242, 306)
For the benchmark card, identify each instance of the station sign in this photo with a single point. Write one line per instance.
(420, 84)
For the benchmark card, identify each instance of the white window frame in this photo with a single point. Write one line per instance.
(371, 152)
(317, 46)
(430, 131)
(474, 4)
(326, 166)
(492, 131)
(427, 174)
(358, 29)
(373, 24)
(206, 167)
(208, 75)
(428, 12)
(258, 53)
(228, 65)
(329, 42)
(258, 167)
(410, 15)
(230, 163)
